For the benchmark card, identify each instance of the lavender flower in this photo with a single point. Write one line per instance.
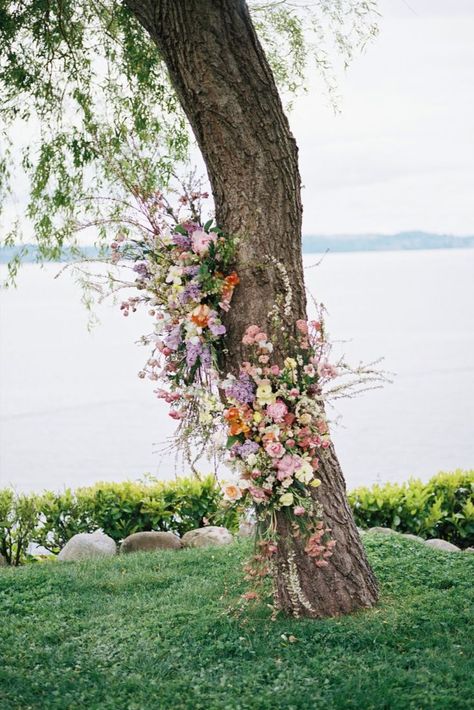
(191, 270)
(206, 358)
(247, 448)
(193, 351)
(217, 328)
(242, 390)
(182, 240)
(192, 292)
(141, 268)
(173, 338)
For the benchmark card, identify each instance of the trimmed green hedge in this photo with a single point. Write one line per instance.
(443, 507)
(119, 509)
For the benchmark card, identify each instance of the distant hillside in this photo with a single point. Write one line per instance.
(383, 242)
(312, 243)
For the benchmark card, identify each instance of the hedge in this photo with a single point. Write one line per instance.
(443, 507)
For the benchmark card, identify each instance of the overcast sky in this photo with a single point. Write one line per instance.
(400, 156)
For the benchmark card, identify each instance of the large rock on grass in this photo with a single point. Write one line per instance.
(206, 537)
(86, 545)
(415, 538)
(150, 541)
(383, 531)
(444, 545)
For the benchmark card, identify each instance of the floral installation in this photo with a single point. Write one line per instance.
(277, 434)
(269, 418)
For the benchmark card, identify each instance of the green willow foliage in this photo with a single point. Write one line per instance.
(87, 110)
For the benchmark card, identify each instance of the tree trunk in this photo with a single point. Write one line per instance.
(227, 90)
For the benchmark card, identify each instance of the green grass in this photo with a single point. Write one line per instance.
(153, 631)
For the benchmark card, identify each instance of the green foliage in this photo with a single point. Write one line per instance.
(443, 507)
(87, 110)
(19, 515)
(120, 509)
(156, 630)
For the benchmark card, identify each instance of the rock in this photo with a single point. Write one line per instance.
(385, 531)
(86, 545)
(246, 529)
(469, 549)
(205, 537)
(150, 541)
(3, 562)
(442, 545)
(416, 538)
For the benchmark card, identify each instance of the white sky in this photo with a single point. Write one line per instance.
(400, 156)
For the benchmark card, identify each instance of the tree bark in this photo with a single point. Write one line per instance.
(227, 90)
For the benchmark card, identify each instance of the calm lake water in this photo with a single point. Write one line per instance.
(74, 412)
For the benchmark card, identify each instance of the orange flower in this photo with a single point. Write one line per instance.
(200, 316)
(232, 279)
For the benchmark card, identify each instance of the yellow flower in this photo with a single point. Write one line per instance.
(305, 418)
(257, 417)
(265, 395)
(290, 363)
(316, 482)
(286, 499)
(305, 473)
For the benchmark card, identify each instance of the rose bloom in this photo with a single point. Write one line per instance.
(274, 449)
(232, 492)
(299, 510)
(201, 241)
(277, 411)
(302, 326)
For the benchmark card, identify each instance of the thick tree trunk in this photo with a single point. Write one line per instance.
(228, 93)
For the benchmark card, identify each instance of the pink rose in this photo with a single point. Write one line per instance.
(274, 449)
(275, 370)
(299, 510)
(201, 241)
(277, 411)
(287, 466)
(302, 326)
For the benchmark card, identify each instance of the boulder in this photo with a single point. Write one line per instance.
(3, 562)
(246, 529)
(150, 541)
(416, 538)
(442, 545)
(469, 549)
(206, 537)
(384, 531)
(86, 545)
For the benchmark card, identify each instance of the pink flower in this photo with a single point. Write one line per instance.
(287, 466)
(302, 326)
(201, 241)
(257, 494)
(174, 414)
(299, 510)
(260, 337)
(277, 411)
(275, 370)
(325, 369)
(291, 443)
(274, 449)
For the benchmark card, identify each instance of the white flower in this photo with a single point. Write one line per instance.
(305, 472)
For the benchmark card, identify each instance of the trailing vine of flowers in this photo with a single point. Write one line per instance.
(269, 418)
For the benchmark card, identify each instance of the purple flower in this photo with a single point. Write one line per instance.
(242, 390)
(247, 448)
(206, 358)
(193, 350)
(141, 268)
(173, 338)
(182, 240)
(192, 292)
(217, 328)
(191, 270)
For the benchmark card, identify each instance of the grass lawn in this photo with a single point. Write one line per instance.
(154, 631)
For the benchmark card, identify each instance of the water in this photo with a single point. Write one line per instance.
(74, 412)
